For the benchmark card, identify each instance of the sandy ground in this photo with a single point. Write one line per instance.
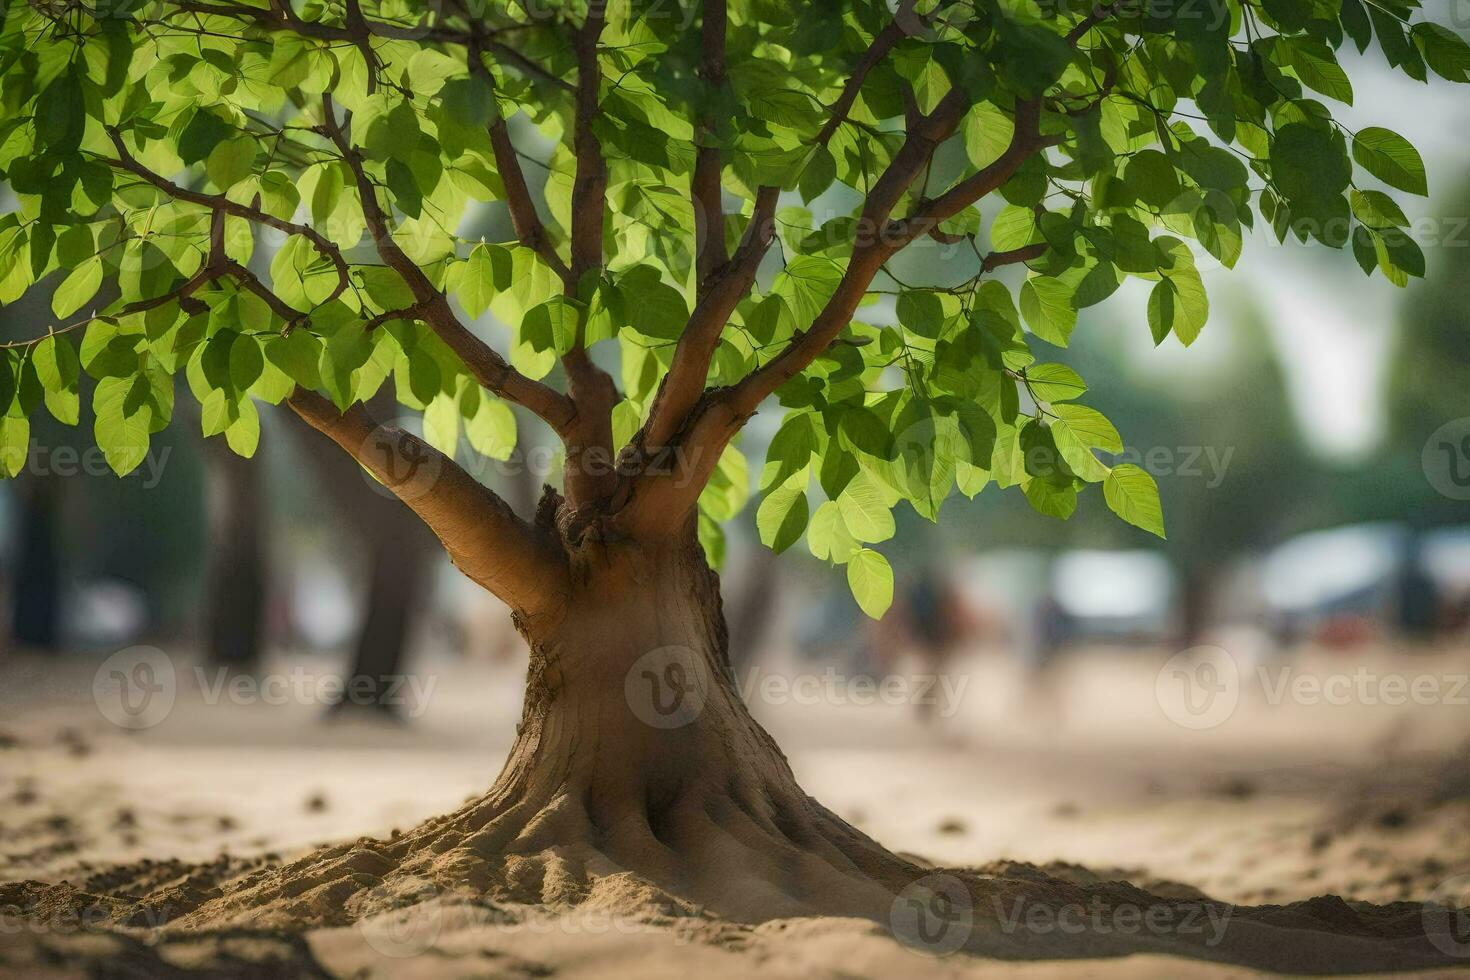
(1292, 796)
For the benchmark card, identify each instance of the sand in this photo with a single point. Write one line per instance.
(1281, 804)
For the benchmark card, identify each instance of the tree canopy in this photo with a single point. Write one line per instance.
(269, 197)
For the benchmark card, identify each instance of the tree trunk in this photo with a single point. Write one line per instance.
(636, 750)
(36, 576)
(237, 577)
(400, 553)
(398, 581)
(635, 762)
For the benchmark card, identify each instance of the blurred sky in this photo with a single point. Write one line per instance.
(1333, 326)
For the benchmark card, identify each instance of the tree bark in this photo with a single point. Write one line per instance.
(35, 613)
(237, 579)
(400, 552)
(635, 754)
(398, 582)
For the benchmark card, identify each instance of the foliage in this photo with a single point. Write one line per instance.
(259, 196)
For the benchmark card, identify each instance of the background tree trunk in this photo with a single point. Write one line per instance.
(238, 577)
(400, 555)
(36, 583)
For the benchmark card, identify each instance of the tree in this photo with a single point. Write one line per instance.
(174, 147)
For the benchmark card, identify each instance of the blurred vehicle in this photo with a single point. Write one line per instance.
(1110, 596)
(1333, 585)
(1346, 586)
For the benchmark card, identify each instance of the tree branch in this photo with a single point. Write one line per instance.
(867, 260)
(705, 191)
(590, 475)
(682, 386)
(657, 502)
(589, 186)
(883, 42)
(1025, 141)
(484, 364)
(1025, 253)
(280, 16)
(220, 204)
(529, 229)
(516, 561)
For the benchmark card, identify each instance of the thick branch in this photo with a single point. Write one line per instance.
(484, 364)
(1025, 141)
(516, 561)
(529, 229)
(868, 259)
(589, 186)
(683, 385)
(658, 502)
(590, 476)
(281, 16)
(705, 193)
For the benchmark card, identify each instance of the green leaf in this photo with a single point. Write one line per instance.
(782, 515)
(243, 434)
(1314, 64)
(1134, 496)
(1055, 382)
(441, 424)
(246, 362)
(1391, 158)
(491, 429)
(553, 325)
(123, 422)
(298, 354)
(870, 578)
(1046, 304)
(1377, 210)
(1090, 427)
(15, 444)
(477, 281)
(1052, 497)
(865, 512)
(216, 412)
(1444, 50)
(828, 537)
(78, 287)
(1178, 304)
(231, 161)
(59, 372)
